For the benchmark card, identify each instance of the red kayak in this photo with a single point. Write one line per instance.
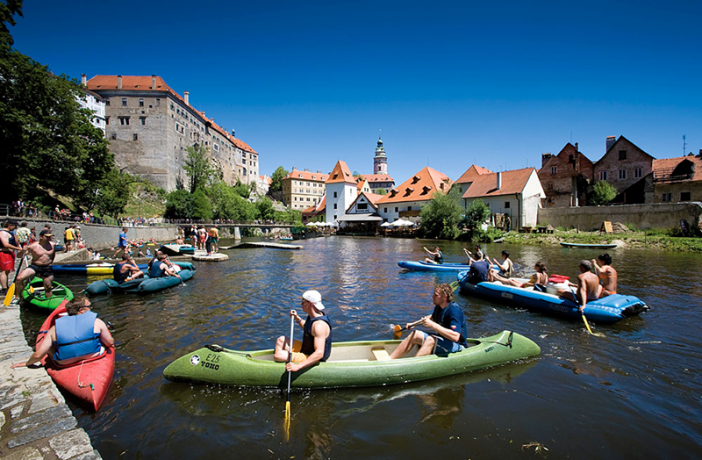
(88, 380)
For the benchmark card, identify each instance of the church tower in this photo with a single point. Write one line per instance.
(380, 161)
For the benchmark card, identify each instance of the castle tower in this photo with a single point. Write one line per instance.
(380, 161)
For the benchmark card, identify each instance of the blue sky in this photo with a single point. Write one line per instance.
(307, 83)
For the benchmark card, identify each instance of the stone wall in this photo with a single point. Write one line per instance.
(641, 216)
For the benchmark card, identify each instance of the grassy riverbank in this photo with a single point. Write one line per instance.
(651, 239)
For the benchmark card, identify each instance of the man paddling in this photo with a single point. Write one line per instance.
(588, 287)
(42, 252)
(316, 340)
(77, 336)
(448, 325)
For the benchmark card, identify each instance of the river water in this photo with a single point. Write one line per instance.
(636, 392)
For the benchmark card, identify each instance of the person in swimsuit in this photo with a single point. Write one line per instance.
(506, 267)
(436, 256)
(588, 287)
(317, 338)
(607, 274)
(540, 278)
(42, 252)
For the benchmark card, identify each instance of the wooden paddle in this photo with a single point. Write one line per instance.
(11, 290)
(397, 330)
(287, 402)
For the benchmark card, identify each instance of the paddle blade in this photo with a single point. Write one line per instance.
(397, 332)
(454, 285)
(9, 295)
(587, 325)
(286, 426)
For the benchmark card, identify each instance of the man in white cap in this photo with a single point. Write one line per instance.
(316, 340)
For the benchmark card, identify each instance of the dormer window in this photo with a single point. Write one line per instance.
(415, 179)
(393, 192)
(408, 190)
(426, 189)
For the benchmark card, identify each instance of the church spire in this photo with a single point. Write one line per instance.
(380, 161)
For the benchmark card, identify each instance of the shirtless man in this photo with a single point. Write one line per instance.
(42, 252)
(212, 238)
(607, 274)
(202, 237)
(588, 286)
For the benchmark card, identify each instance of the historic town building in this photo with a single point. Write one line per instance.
(566, 177)
(303, 189)
(675, 180)
(342, 190)
(624, 165)
(95, 103)
(149, 127)
(407, 200)
(380, 181)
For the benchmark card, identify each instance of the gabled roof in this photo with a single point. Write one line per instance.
(341, 174)
(420, 187)
(307, 175)
(372, 198)
(676, 169)
(360, 184)
(144, 83)
(472, 172)
(513, 182)
(617, 142)
(317, 208)
(377, 177)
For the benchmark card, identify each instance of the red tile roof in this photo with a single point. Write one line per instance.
(664, 170)
(485, 185)
(143, 83)
(318, 207)
(420, 187)
(341, 174)
(307, 175)
(377, 177)
(472, 172)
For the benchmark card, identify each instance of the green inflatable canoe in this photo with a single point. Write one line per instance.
(34, 294)
(351, 364)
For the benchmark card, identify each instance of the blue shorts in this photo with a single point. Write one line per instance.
(443, 346)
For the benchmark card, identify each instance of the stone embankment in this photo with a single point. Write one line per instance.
(35, 422)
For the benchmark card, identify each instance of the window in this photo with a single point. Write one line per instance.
(506, 204)
(554, 170)
(603, 175)
(395, 209)
(141, 102)
(334, 205)
(638, 172)
(143, 120)
(114, 136)
(385, 209)
(135, 137)
(124, 102)
(124, 121)
(409, 208)
(622, 173)
(685, 196)
(666, 197)
(107, 102)
(362, 206)
(334, 194)
(107, 120)
(622, 154)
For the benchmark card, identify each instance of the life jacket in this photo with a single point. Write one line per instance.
(117, 273)
(75, 336)
(308, 339)
(10, 239)
(156, 271)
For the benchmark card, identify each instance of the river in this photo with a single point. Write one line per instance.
(636, 392)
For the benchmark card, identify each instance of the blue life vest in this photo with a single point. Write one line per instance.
(156, 271)
(308, 339)
(75, 336)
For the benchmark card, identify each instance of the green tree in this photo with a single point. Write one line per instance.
(202, 208)
(179, 204)
(48, 141)
(199, 168)
(265, 209)
(277, 179)
(602, 193)
(381, 191)
(477, 213)
(230, 205)
(112, 193)
(242, 190)
(441, 216)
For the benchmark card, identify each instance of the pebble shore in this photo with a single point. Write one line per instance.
(35, 422)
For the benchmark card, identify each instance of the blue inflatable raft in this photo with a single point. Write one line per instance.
(608, 309)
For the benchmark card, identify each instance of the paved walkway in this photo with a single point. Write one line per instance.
(35, 422)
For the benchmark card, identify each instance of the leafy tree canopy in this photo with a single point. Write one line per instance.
(602, 193)
(477, 213)
(441, 216)
(199, 168)
(277, 179)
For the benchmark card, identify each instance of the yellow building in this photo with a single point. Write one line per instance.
(302, 189)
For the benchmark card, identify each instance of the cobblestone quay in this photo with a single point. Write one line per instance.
(35, 422)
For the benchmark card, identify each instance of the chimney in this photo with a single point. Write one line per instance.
(307, 170)
(610, 142)
(153, 81)
(544, 158)
(83, 80)
(233, 133)
(119, 81)
(187, 97)
(499, 180)
(294, 168)
(576, 147)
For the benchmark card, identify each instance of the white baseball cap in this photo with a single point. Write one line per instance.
(315, 298)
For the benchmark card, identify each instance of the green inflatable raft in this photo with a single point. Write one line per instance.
(34, 295)
(351, 364)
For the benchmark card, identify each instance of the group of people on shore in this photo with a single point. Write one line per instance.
(205, 239)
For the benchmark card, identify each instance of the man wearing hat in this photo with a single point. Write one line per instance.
(42, 252)
(316, 340)
(8, 246)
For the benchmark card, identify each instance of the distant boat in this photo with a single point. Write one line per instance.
(591, 246)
